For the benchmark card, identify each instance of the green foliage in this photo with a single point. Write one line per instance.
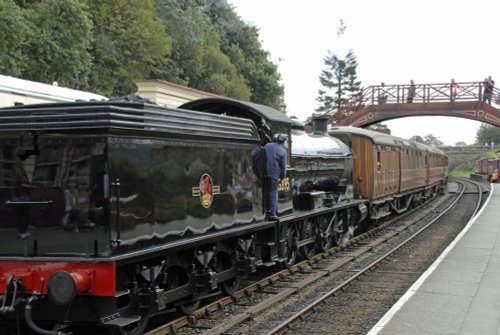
(219, 75)
(428, 139)
(340, 82)
(129, 44)
(187, 26)
(433, 141)
(103, 46)
(197, 60)
(240, 42)
(213, 50)
(487, 134)
(46, 41)
(417, 138)
(13, 32)
(342, 89)
(467, 165)
(461, 172)
(380, 127)
(59, 41)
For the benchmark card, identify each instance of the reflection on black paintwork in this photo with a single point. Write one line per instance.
(162, 188)
(58, 186)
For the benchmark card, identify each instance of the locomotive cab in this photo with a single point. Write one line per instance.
(269, 123)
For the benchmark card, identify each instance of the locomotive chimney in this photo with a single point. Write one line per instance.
(320, 125)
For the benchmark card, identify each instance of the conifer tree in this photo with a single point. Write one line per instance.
(342, 90)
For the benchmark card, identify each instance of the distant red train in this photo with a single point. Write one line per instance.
(488, 167)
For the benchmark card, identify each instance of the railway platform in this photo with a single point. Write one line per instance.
(460, 293)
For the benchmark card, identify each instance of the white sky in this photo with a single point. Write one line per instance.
(430, 41)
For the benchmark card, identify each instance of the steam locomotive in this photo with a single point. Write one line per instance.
(115, 211)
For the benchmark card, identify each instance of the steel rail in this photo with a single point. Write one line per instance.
(311, 308)
(219, 305)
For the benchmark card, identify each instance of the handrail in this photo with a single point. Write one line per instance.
(424, 93)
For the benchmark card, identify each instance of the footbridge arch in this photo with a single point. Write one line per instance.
(382, 103)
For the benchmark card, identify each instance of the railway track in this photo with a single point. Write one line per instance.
(377, 265)
(279, 303)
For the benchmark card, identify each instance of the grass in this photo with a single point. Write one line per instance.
(461, 172)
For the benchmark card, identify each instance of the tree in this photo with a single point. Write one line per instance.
(104, 46)
(433, 141)
(219, 75)
(417, 138)
(197, 59)
(240, 42)
(461, 144)
(129, 44)
(187, 26)
(380, 127)
(342, 91)
(487, 134)
(13, 33)
(57, 47)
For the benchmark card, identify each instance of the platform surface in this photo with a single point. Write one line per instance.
(460, 293)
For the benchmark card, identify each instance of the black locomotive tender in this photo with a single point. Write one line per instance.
(114, 211)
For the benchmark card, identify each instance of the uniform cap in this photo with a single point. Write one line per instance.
(280, 137)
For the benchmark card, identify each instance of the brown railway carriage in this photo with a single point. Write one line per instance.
(394, 173)
(438, 165)
(488, 168)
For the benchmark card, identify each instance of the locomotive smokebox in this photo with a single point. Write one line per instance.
(320, 125)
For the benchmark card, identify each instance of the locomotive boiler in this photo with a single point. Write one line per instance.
(322, 167)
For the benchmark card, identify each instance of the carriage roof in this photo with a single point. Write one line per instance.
(385, 139)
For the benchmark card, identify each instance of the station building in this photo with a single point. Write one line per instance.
(15, 91)
(169, 94)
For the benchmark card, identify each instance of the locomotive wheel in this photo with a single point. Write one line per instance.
(308, 232)
(188, 307)
(226, 262)
(138, 328)
(177, 277)
(340, 232)
(288, 249)
(325, 234)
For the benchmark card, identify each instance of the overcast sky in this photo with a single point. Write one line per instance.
(430, 41)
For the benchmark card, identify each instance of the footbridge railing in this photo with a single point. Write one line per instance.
(465, 91)
(384, 102)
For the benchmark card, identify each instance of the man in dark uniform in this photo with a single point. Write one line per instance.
(275, 169)
(259, 156)
(259, 168)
